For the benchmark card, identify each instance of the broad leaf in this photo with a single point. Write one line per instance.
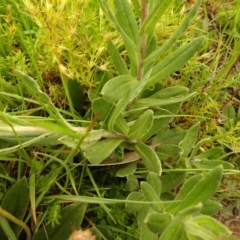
(149, 157)
(141, 126)
(132, 207)
(127, 169)
(155, 182)
(101, 150)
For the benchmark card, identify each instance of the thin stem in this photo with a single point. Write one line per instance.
(16, 221)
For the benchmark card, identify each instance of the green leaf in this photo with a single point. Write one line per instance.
(132, 183)
(172, 180)
(133, 207)
(117, 60)
(145, 233)
(154, 180)
(211, 207)
(100, 105)
(187, 186)
(168, 152)
(170, 92)
(203, 189)
(189, 140)
(154, 15)
(101, 150)
(119, 87)
(151, 196)
(126, 169)
(211, 153)
(141, 126)
(126, 20)
(156, 102)
(209, 164)
(71, 218)
(149, 158)
(173, 61)
(157, 222)
(16, 202)
(212, 225)
(174, 230)
(181, 29)
(75, 94)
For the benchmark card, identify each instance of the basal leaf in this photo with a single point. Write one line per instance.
(101, 150)
(154, 180)
(133, 207)
(149, 157)
(126, 169)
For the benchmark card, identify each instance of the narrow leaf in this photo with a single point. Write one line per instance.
(151, 196)
(189, 140)
(117, 60)
(203, 189)
(155, 182)
(181, 29)
(174, 61)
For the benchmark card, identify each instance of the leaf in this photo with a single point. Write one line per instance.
(212, 224)
(211, 207)
(154, 15)
(190, 138)
(209, 164)
(127, 169)
(145, 233)
(203, 189)
(155, 182)
(170, 92)
(101, 150)
(174, 230)
(75, 94)
(117, 60)
(157, 222)
(126, 20)
(213, 153)
(149, 158)
(168, 152)
(151, 196)
(119, 87)
(100, 105)
(16, 202)
(132, 183)
(156, 102)
(181, 29)
(172, 180)
(133, 207)
(173, 61)
(71, 218)
(141, 126)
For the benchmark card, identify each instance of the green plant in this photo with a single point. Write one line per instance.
(127, 125)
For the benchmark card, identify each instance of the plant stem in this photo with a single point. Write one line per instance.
(143, 40)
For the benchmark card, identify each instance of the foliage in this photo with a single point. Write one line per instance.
(142, 138)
